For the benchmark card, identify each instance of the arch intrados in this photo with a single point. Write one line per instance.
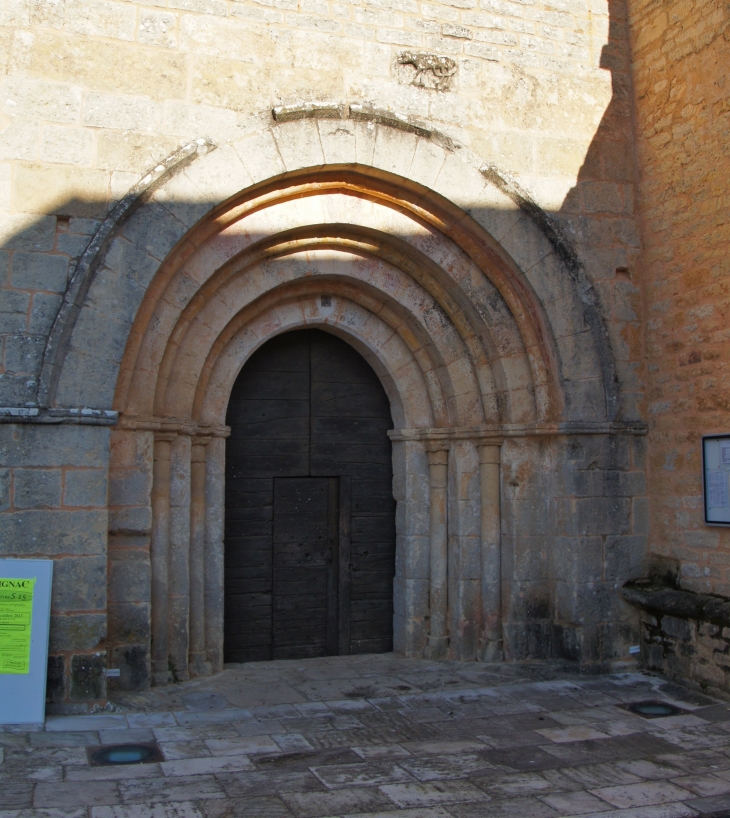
(474, 333)
(373, 355)
(446, 217)
(425, 353)
(381, 185)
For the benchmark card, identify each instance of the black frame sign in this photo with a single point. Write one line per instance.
(716, 478)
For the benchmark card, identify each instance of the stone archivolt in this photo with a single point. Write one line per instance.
(451, 292)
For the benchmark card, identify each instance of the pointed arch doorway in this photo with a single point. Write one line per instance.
(310, 514)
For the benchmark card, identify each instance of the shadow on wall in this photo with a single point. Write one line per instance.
(512, 321)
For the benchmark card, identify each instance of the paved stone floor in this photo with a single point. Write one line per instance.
(377, 736)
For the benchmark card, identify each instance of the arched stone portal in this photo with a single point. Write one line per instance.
(469, 306)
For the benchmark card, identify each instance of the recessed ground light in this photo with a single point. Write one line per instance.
(114, 754)
(654, 710)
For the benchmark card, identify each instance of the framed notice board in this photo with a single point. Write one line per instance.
(25, 613)
(716, 478)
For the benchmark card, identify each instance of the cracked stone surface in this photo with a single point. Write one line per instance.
(380, 737)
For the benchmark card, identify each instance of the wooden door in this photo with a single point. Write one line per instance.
(308, 461)
(305, 562)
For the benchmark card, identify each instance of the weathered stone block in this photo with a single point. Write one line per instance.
(531, 517)
(599, 515)
(52, 532)
(48, 446)
(41, 100)
(39, 271)
(74, 246)
(134, 663)
(43, 312)
(129, 487)
(588, 602)
(85, 487)
(124, 113)
(585, 400)
(88, 677)
(154, 230)
(101, 333)
(56, 679)
(14, 311)
(134, 519)
(16, 390)
(70, 146)
(681, 629)
(79, 584)
(129, 579)
(60, 190)
(624, 484)
(115, 294)
(87, 380)
(158, 28)
(578, 559)
(527, 641)
(24, 353)
(132, 151)
(412, 557)
(77, 631)
(580, 482)
(5, 478)
(129, 623)
(626, 557)
(19, 140)
(108, 65)
(24, 231)
(37, 487)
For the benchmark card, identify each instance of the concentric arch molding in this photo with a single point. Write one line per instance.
(366, 152)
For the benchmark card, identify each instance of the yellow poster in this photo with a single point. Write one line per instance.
(16, 612)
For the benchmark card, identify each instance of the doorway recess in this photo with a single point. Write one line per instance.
(310, 515)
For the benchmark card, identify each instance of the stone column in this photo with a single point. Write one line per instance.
(438, 638)
(214, 579)
(199, 666)
(491, 641)
(179, 558)
(159, 548)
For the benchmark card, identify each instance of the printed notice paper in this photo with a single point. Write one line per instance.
(717, 494)
(16, 611)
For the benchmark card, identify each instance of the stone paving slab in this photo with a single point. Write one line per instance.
(382, 737)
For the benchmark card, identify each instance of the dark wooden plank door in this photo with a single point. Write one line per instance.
(305, 603)
(268, 413)
(350, 418)
(308, 461)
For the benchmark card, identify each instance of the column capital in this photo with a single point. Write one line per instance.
(165, 437)
(438, 455)
(489, 453)
(198, 448)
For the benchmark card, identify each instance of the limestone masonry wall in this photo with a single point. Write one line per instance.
(681, 54)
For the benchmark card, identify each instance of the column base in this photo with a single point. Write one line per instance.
(161, 678)
(491, 651)
(199, 666)
(437, 648)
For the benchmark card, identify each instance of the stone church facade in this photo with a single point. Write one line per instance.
(515, 215)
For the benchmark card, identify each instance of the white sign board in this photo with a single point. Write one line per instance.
(25, 615)
(716, 478)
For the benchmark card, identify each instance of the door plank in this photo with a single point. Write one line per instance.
(343, 591)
